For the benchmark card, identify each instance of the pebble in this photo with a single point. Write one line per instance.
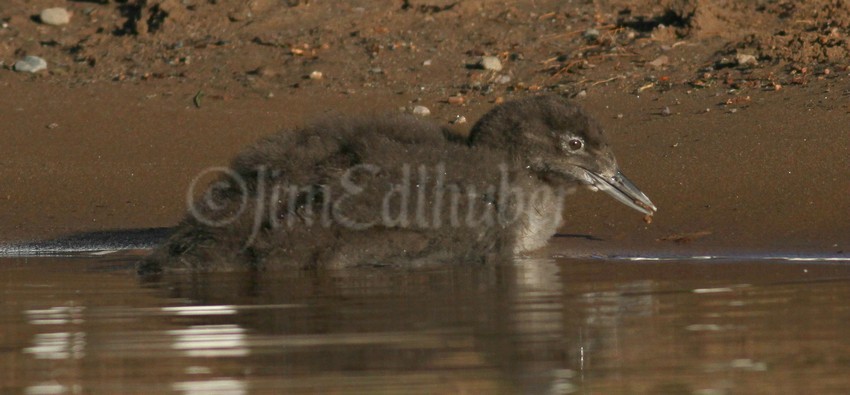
(55, 16)
(426, 63)
(666, 112)
(459, 120)
(32, 64)
(503, 79)
(316, 75)
(581, 94)
(421, 111)
(591, 34)
(490, 63)
(662, 60)
(744, 59)
(376, 70)
(457, 100)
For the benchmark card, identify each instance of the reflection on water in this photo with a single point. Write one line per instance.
(537, 326)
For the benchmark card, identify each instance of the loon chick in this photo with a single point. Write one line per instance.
(398, 190)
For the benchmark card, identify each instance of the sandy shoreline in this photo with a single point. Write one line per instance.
(752, 179)
(767, 171)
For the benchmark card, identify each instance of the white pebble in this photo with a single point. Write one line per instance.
(421, 111)
(316, 75)
(490, 63)
(55, 16)
(459, 120)
(745, 59)
(426, 63)
(32, 64)
(503, 79)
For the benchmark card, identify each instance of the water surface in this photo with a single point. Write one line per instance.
(545, 326)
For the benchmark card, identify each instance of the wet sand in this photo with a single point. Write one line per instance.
(768, 177)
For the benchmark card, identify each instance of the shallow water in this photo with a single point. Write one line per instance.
(88, 325)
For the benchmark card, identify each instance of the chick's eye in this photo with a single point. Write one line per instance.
(575, 144)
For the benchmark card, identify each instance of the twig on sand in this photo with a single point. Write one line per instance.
(197, 99)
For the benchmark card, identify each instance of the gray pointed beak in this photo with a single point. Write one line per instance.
(624, 191)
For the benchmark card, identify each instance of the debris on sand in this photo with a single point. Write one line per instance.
(684, 238)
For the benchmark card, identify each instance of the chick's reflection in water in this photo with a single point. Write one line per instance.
(398, 190)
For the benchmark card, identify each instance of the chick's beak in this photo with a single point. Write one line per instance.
(619, 187)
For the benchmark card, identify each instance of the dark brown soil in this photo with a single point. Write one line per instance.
(141, 95)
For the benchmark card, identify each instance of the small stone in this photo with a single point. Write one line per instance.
(459, 120)
(499, 100)
(581, 94)
(620, 116)
(55, 16)
(744, 59)
(666, 111)
(660, 61)
(53, 125)
(316, 75)
(503, 79)
(591, 34)
(32, 64)
(490, 63)
(457, 100)
(426, 63)
(421, 111)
